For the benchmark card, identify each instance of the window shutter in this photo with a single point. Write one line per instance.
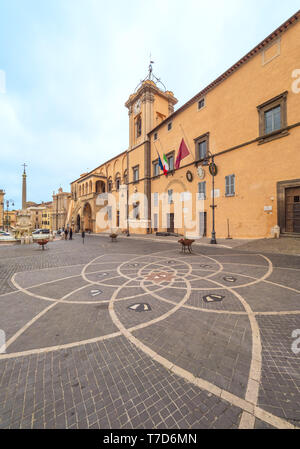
(226, 185)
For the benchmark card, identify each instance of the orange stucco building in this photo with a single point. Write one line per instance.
(248, 118)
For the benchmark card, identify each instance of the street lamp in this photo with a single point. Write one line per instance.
(213, 172)
(7, 216)
(127, 205)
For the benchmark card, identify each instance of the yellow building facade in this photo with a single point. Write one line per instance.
(248, 119)
(59, 209)
(47, 216)
(10, 219)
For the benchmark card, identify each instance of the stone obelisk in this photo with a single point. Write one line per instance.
(24, 189)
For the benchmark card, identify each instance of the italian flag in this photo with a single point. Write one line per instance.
(166, 165)
(161, 166)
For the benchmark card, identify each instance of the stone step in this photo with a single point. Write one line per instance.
(290, 234)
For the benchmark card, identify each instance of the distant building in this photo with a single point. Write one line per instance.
(36, 213)
(60, 208)
(47, 216)
(7, 217)
(10, 219)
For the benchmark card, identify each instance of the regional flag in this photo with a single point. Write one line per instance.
(182, 153)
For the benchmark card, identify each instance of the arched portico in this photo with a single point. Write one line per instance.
(87, 218)
(78, 223)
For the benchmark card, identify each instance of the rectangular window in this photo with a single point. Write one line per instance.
(202, 149)
(135, 174)
(109, 212)
(201, 103)
(171, 162)
(202, 190)
(230, 185)
(155, 169)
(201, 146)
(169, 126)
(170, 196)
(155, 199)
(272, 120)
(155, 222)
(136, 210)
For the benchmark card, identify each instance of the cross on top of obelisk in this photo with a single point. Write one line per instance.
(24, 165)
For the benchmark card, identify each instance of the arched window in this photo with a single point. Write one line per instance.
(109, 184)
(118, 181)
(86, 188)
(91, 186)
(125, 176)
(100, 187)
(138, 126)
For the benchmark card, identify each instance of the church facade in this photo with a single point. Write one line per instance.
(247, 122)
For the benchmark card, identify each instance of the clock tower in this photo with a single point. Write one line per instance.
(148, 106)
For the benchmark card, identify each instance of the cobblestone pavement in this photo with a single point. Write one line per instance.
(135, 334)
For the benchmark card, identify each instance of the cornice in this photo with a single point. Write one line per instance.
(150, 87)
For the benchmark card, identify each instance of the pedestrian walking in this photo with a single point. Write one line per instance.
(71, 233)
(66, 234)
(83, 235)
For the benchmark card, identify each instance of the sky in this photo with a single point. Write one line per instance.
(68, 66)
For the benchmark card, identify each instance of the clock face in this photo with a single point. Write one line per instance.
(137, 106)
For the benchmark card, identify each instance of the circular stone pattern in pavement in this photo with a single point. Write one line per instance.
(195, 315)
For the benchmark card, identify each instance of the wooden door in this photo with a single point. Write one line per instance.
(292, 209)
(170, 223)
(202, 224)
